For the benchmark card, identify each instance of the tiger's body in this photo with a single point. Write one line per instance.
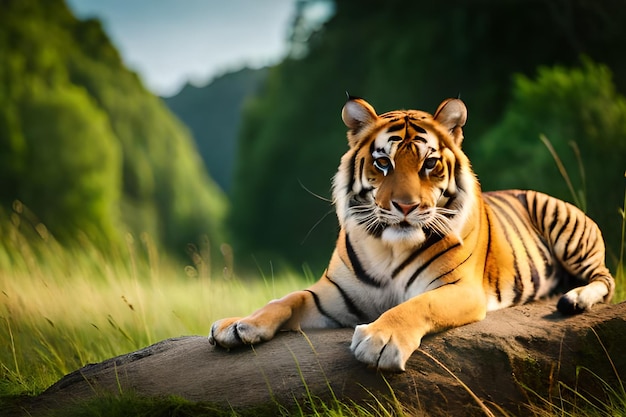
(422, 249)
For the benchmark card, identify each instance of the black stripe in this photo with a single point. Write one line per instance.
(531, 208)
(535, 208)
(352, 173)
(347, 300)
(495, 282)
(569, 240)
(431, 240)
(427, 263)
(517, 289)
(594, 233)
(546, 254)
(372, 147)
(535, 277)
(577, 247)
(361, 168)
(562, 225)
(418, 128)
(451, 270)
(396, 127)
(357, 267)
(323, 312)
(363, 194)
(542, 213)
(545, 251)
(584, 273)
(582, 254)
(537, 211)
(522, 199)
(534, 273)
(555, 219)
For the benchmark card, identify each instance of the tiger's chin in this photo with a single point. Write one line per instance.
(403, 234)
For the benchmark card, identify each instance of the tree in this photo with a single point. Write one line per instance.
(71, 163)
(578, 110)
(85, 146)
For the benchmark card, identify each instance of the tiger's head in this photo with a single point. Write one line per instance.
(404, 177)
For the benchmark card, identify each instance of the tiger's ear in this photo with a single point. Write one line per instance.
(356, 114)
(452, 114)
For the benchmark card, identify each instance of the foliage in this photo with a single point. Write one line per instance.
(84, 145)
(406, 54)
(60, 173)
(577, 106)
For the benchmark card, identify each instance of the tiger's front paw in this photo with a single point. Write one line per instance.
(381, 347)
(236, 331)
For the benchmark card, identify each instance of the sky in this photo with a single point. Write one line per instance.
(172, 42)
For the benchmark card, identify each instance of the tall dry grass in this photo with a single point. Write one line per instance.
(62, 308)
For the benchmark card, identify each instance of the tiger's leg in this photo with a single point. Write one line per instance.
(577, 244)
(314, 307)
(388, 342)
(588, 265)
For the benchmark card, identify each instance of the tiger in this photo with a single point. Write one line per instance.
(422, 249)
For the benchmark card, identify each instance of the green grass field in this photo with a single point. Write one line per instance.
(79, 307)
(63, 308)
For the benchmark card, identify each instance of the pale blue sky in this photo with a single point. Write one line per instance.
(169, 42)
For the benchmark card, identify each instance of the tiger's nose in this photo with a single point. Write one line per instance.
(405, 208)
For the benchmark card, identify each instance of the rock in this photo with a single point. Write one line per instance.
(512, 358)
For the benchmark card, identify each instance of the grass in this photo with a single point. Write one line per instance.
(63, 308)
(574, 403)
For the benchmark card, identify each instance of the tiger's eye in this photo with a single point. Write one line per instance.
(430, 163)
(383, 164)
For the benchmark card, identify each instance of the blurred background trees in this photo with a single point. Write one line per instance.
(87, 148)
(84, 146)
(583, 116)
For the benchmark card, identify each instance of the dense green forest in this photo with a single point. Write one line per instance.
(85, 147)
(213, 114)
(523, 67)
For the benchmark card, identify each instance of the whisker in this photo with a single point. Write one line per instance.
(439, 223)
(328, 200)
(315, 225)
(370, 217)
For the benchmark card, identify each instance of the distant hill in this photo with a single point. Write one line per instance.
(213, 114)
(85, 146)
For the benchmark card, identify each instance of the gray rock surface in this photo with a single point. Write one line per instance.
(507, 360)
